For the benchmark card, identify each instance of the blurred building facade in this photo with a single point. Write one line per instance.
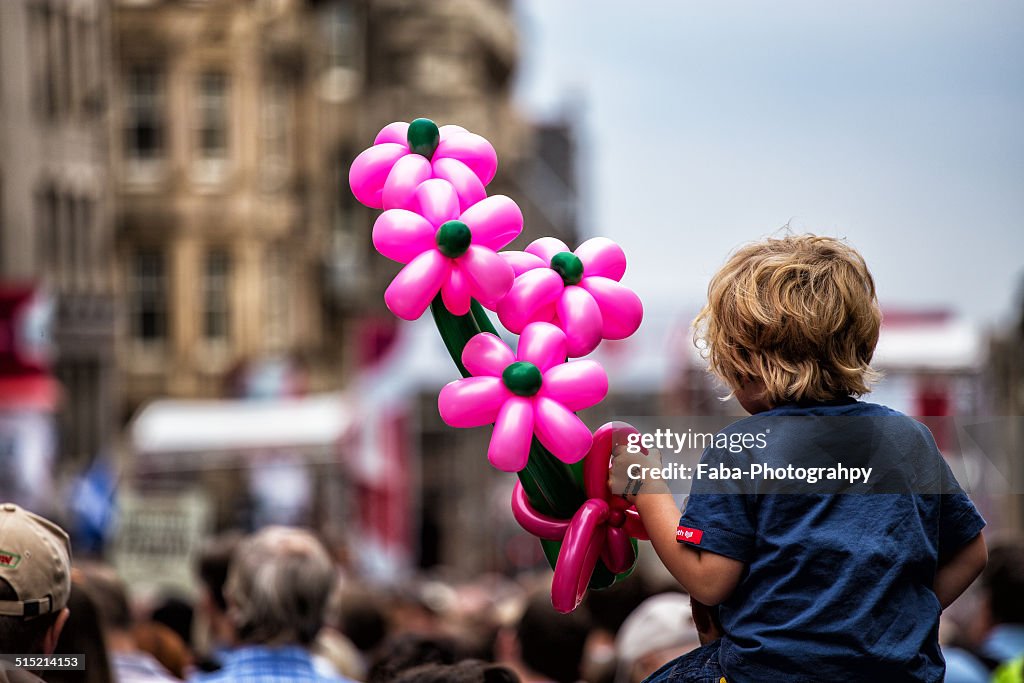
(55, 198)
(1005, 385)
(176, 174)
(221, 213)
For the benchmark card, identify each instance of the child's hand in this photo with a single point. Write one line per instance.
(619, 479)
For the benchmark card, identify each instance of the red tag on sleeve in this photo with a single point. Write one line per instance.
(685, 534)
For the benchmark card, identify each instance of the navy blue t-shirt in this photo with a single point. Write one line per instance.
(836, 584)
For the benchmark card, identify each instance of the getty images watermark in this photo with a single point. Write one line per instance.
(735, 442)
(824, 454)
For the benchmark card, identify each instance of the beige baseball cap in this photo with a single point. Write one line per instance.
(35, 559)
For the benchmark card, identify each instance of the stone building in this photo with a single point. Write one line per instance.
(239, 242)
(55, 199)
(221, 220)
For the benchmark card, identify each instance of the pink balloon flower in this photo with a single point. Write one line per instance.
(447, 251)
(403, 155)
(577, 291)
(601, 527)
(531, 392)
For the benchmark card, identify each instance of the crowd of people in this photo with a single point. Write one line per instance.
(275, 606)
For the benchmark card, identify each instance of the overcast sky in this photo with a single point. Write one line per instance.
(898, 125)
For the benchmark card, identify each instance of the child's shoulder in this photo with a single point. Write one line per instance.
(838, 407)
(848, 416)
(844, 408)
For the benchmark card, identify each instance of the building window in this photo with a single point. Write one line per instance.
(83, 254)
(82, 416)
(345, 218)
(88, 38)
(149, 296)
(275, 129)
(69, 242)
(277, 305)
(212, 118)
(349, 246)
(343, 34)
(216, 295)
(66, 41)
(343, 41)
(144, 115)
(47, 220)
(43, 62)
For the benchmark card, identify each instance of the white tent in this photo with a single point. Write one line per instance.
(170, 426)
(943, 345)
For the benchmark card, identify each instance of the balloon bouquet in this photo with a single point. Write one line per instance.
(440, 223)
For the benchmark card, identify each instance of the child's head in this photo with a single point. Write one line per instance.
(797, 314)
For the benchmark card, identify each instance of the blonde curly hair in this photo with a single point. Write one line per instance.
(798, 313)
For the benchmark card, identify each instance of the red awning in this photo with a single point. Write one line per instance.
(29, 392)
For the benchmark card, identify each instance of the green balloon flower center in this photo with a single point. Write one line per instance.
(453, 238)
(568, 266)
(522, 378)
(423, 137)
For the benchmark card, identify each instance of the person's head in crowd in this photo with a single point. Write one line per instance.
(361, 616)
(82, 634)
(407, 651)
(993, 630)
(339, 654)
(212, 567)
(35, 581)
(608, 609)
(111, 595)
(659, 630)
(484, 604)
(129, 662)
(165, 645)
(176, 614)
(468, 671)
(350, 609)
(277, 587)
(419, 606)
(1002, 583)
(547, 645)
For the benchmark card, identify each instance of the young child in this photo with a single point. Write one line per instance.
(811, 586)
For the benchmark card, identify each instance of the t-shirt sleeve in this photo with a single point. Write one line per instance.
(959, 523)
(959, 520)
(718, 516)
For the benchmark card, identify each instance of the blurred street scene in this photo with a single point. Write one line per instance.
(196, 334)
(193, 339)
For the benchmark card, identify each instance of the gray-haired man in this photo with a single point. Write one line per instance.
(276, 591)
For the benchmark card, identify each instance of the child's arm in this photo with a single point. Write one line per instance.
(959, 571)
(707, 577)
